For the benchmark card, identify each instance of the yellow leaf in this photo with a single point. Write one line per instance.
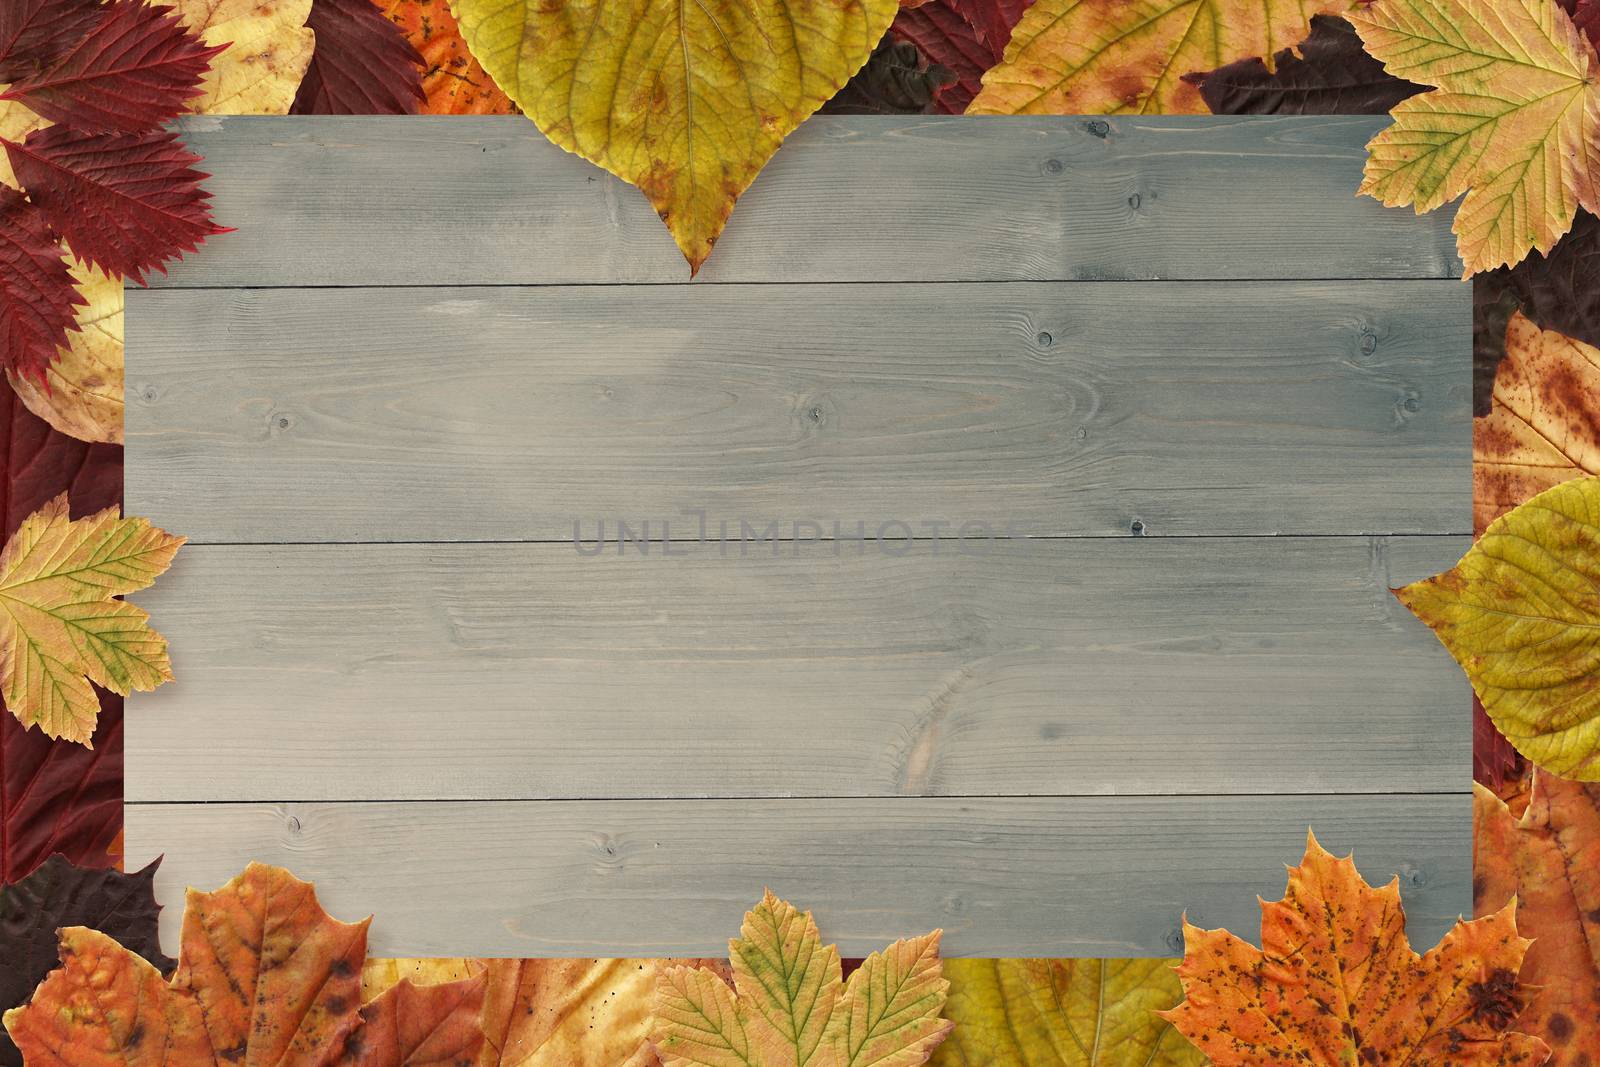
(1521, 614)
(1063, 1013)
(1543, 426)
(58, 622)
(269, 52)
(789, 1008)
(380, 975)
(687, 101)
(84, 398)
(1073, 57)
(1512, 123)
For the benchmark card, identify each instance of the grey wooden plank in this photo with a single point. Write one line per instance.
(1104, 876)
(1059, 408)
(1077, 666)
(328, 200)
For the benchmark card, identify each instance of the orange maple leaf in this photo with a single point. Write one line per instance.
(265, 976)
(1336, 983)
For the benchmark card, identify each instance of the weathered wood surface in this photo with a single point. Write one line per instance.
(508, 414)
(1093, 876)
(1058, 667)
(1053, 744)
(462, 200)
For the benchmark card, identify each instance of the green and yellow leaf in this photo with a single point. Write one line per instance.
(788, 1006)
(1521, 614)
(685, 101)
(1063, 1013)
(1070, 57)
(1514, 121)
(59, 626)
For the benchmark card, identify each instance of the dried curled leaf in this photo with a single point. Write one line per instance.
(1546, 861)
(269, 49)
(59, 623)
(1070, 57)
(1063, 1013)
(1543, 427)
(1336, 982)
(82, 391)
(1514, 122)
(685, 101)
(1519, 613)
(789, 1007)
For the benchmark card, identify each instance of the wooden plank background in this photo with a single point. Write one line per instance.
(1216, 403)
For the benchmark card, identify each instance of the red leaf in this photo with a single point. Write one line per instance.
(1586, 16)
(127, 203)
(34, 33)
(965, 36)
(137, 67)
(38, 303)
(363, 64)
(135, 70)
(54, 797)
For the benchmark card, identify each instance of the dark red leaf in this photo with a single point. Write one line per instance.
(138, 67)
(1585, 15)
(896, 80)
(34, 33)
(966, 37)
(363, 64)
(56, 797)
(38, 303)
(125, 202)
(1332, 75)
(1495, 762)
(58, 894)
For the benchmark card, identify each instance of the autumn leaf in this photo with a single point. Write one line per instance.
(137, 67)
(82, 391)
(1514, 122)
(270, 48)
(1336, 982)
(38, 463)
(1063, 1013)
(1329, 74)
(966, 37)
(1544, 426)
(453, 83)
(382, 974)
(432, 1026)
(788, 1005)
(126, 203)
(59, 623)
(362, 64)
(59, 894)
(1130, 56)
(1519, 614)
(38, 304)
(1545, 860)
(35, 33)
(265, 976)
(897, 80)
(1556, 291)
(687, 102)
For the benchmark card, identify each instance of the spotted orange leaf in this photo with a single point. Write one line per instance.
(1335, 983)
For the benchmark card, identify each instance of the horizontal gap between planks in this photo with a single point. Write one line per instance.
(807, 282)
(766, 797)
(848, 541)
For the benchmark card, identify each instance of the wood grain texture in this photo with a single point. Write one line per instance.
(460, 200)
(1087, 667)
(1059, 408)
(1104, 876)
(433, 344)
